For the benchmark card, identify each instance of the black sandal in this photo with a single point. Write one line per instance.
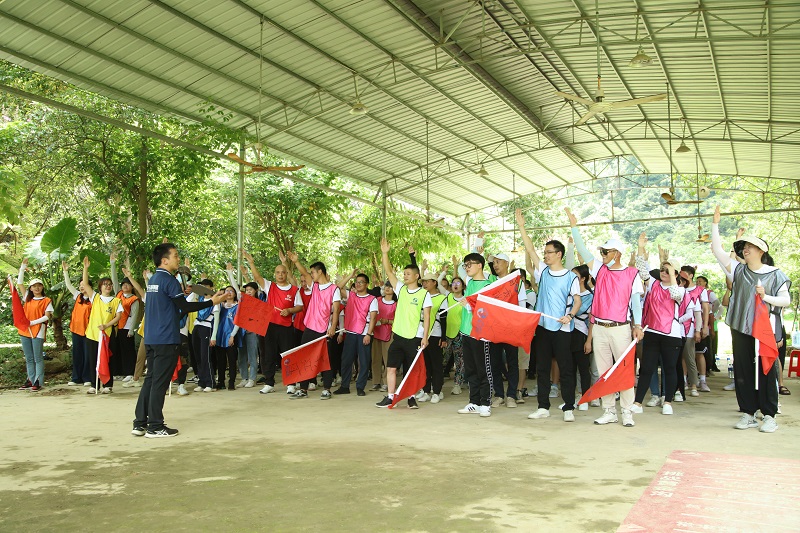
(784, 391)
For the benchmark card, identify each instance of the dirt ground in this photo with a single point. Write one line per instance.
(251, 462)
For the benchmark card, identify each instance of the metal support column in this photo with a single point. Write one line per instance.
(240, 215)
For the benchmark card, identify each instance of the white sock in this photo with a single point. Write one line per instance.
(391, 396)
(702, 378)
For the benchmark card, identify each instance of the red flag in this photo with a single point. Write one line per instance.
(619, 377)
(103, 355)
(497, 321)
(20, 320)
(414, 380)
(253, 314)
(305, 361)
(766, 347)
(505, 289)
(177, 369)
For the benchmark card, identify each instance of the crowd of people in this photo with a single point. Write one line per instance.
(593, 307)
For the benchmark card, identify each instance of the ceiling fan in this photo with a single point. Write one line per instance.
(599, 106)
(259, 167)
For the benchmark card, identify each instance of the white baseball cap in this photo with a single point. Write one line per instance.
(738, 246)
(614, 244)
(34, 281)
(502, 257)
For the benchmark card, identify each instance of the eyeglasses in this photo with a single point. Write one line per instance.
(470, 263)
(547, 252)
(665, 270)
(360, 282)
(603, 251)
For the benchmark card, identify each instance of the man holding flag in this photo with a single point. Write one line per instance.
(757, 287)
(617, 299)
(559, 296)
(411, 327)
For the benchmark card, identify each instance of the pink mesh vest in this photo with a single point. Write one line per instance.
(318, 314)
(355, 315)
(659, 309)
(612, 294)
(385, 312)
(689, 299)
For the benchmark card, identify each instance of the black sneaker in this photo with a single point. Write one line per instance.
(375, 388)
(412, 403)
(160, 433)
(139, 431)
(361, 392)
(261, 380)
(341, 390)
(386, 402)
(36, 387)
(299, 393)
(27, 385)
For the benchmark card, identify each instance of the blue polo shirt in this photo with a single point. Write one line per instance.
(162, 318)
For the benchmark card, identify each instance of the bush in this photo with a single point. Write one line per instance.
(12, 367)
(9, 334)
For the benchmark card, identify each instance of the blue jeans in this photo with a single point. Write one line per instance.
(34, 359)
(354, 346)
(248, 356)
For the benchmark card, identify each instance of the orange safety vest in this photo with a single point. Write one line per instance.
(34, 309)
(126, 308)
(80, 315)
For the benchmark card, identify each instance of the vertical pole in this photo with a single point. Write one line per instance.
(384, 188)
(240, 215)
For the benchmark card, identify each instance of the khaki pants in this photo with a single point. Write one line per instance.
(140, 359)
(609, 344)
(690, 361)
(380, 351)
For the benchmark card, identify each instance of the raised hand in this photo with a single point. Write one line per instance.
(739, 233)
(282, 257)
(113, 256)
(411, 250)
(86, 262)
(229, 266)
(717, 215)
(291, 256)
(642, 240)
(249, 257)
(385, 247)
(663, 254)
(186, 262)
(126, 273)
(64, 266)
(573, 220)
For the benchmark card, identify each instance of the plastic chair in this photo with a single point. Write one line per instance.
(794, 363)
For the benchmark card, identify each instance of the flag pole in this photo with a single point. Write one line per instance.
(97, 365)
(309, 343)
(756, 343)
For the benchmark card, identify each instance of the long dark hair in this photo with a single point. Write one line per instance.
(585, 276)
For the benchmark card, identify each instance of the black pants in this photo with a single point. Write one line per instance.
(433, 365)
(185, 355)
(327, 375)
(477, 370)
(200, 340)
(226, 357)
(161, 362)
(580, 360)
(505, 361)
(80, 360)
(680, 384)
(91, 348)
(744, 371)
(278, 340)
(335, 350)
(125, 352)
(550, 344)
(654, 347)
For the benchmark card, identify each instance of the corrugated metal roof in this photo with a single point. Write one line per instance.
(481, 92)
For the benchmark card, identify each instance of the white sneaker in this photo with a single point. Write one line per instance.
(769, 425)
(666, 409)
(678, 397)
(435, 398)
(730, 386)
(637, 409)
(208, 389)
(540, 413)
(694, 393)
(250, 384)
(267, 389)
(627, 418)
(198, 389)
(127, 379)
(554, 391)
(485, 410)
(291, 389)
(468, 409)
(105, 390)
(87, 384)
(337, 381)
(654, 401)
(313, 386)
(71, 384)
(569, 416)
(533, 392)
(456, 390)
(594, 403)
(182, 390)
(132, 383)
(384, 388)
(703, 387)
(497, 401)
(746, 422)
(91, 390)
(511, 402)
(609, 417)
(424, 397)
(779, 409)
(583, 407)
(241, 384)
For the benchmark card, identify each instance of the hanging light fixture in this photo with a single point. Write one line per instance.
(358, 108)
(482, 172)
(683, 149)
(640, 59)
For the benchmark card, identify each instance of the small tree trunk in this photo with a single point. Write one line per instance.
(58, 334)
(142, 203)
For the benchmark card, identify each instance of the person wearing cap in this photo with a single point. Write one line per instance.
(359, 331)
(499, 265)
(617, 300)
(559, 296)
(124, 349)
(759, 276)
(695, 327)
(434, 353)
(38, 310)
(411, 323)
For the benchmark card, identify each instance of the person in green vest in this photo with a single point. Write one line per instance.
(434, 355)
(454, 344)
(411, 323)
